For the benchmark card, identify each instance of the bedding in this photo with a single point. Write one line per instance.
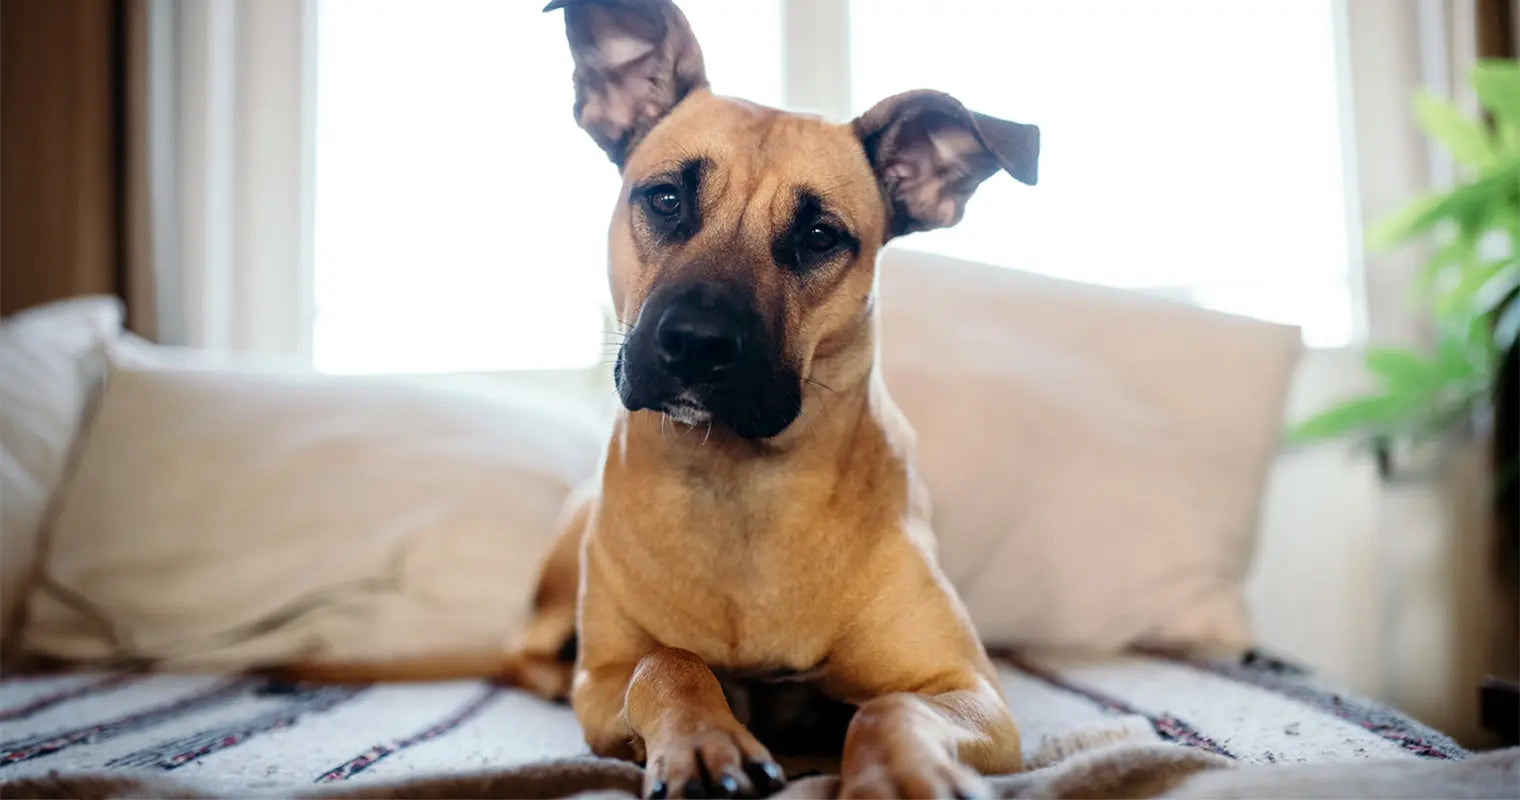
(249, 734)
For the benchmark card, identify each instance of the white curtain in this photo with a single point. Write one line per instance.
(220, 122)
(1425, 633)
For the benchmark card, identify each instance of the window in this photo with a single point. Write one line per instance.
(1191, 148)
(460, 213)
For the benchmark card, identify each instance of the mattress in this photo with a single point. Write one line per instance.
(251, 733)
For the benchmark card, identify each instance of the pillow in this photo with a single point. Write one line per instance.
(51, 360)
(1096, 457)
(225, 518)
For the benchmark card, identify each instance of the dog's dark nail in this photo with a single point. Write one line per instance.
(694, 788)
(728, 786)
(658, 791)
(767, 776)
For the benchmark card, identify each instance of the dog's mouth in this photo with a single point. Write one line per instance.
(686, 409)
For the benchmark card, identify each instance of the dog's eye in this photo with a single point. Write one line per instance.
(664, 200)
(821, 239)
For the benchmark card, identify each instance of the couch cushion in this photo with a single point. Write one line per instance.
(51, 361)
(1096, 457)
(230, 518)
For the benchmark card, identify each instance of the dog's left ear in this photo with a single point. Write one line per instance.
(634, 60)
(930, 153)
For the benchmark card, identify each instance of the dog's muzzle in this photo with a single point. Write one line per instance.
(700, 353)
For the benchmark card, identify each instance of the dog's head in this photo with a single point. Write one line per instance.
(744, 242)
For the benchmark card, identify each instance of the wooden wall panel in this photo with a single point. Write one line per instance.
(59, 176)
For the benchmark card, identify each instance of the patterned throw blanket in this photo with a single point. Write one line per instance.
(240, 735)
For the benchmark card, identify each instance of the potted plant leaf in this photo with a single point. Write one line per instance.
(1469, 285)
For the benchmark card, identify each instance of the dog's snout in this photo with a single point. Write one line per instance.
(698, 343)
(700, 352)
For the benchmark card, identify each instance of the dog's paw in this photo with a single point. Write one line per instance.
(920, 773)
(711, 762)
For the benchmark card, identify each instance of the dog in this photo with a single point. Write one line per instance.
(754, 567)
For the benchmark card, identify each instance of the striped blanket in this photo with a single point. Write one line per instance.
(241, 734)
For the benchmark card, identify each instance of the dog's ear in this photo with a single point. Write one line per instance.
(930, 153)
(634, 60)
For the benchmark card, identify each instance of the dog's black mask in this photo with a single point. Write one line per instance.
(700, 352)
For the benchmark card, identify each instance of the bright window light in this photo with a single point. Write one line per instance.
(461, 216)
(1190, 147)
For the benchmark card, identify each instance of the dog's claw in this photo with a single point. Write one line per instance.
(658, 791)
(767, 777)
(728, 786)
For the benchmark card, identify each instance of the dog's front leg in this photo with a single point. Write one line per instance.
(919, 745)
(670, 709)
(637, 699)
(931, 715)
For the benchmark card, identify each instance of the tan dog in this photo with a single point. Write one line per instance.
(758, 513)
(758, 518)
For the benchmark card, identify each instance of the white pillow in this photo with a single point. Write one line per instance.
(1096, 458)
(231, 518)
(51, 360)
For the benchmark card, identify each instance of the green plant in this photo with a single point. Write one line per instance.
(1469, 285)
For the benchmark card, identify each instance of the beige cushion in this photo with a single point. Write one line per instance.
(1096, 457)
(226, 518)
(51, 360)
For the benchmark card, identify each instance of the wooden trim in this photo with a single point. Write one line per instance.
(1498, 27)
(60, 155)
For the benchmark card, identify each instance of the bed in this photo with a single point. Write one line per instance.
(239, 734)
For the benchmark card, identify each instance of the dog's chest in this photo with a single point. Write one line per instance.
(739, 620)
(752, 568)
(750, 604)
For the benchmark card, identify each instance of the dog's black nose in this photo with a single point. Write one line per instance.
(698, 343)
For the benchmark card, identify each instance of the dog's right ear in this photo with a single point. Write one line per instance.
(634, 60)
(930, 153)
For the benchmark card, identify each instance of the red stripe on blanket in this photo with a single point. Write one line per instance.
(380, 752)
(47, 701)
(1166, 726)
(1386, 723)
(184, 750)
(15, 752)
